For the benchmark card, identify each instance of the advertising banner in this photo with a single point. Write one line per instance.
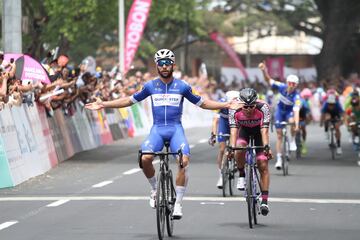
(46, 133)
(5, 176)
(275, 67)
(135, 25)
(12, 147)
(83, 129)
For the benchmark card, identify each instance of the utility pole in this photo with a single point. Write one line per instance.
(11, 26)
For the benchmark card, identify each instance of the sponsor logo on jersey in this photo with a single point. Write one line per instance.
(250, 122)
(285, 100)
(174, 89)
(166, 100)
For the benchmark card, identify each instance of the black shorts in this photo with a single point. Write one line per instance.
(246, 133)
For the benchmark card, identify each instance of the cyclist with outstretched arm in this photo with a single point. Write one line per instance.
(167, 96)
(252, 118)
(287, 109)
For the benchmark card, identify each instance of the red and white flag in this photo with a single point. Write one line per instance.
(135, 25)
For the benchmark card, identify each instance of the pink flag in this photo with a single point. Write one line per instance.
(222, 42)
(135, 25)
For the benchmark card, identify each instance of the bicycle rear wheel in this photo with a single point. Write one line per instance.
(285, 157)
(171, 198)
(332, 145)
(249, 195)
(225, 176)
(298, 145)
(160, 206)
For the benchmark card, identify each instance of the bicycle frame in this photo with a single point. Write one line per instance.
(285, 148)
(252, 186)
(165, 194)
(332, 144)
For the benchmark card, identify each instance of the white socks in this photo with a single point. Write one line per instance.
(153, 182)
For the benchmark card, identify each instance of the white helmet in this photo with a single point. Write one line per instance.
(230, 95)
(164, 54)
(292, 78)
(331, 99)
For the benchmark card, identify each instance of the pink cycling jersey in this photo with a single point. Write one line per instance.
(259, 118)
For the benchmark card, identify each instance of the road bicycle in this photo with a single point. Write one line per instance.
(252, 182)
(165, 194)
(332, 138)
(298, 141)
(228, 170)
(286, 148)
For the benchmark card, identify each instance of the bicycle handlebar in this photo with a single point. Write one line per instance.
(162, 154)
(246, 148)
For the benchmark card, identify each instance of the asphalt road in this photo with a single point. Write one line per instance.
(102, 195)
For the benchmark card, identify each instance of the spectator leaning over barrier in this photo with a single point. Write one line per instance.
(167, 94)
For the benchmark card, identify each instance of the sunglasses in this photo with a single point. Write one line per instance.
(248, 106)
(166, 62)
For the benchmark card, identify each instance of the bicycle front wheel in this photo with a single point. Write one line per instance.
(285, 156)
(225, 175)
(332, 145)
(160, 205)
(232, 176)
(171, 198)
(249, 194)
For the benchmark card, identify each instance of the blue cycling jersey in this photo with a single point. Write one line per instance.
(167, 99)
(224, 112)
(287, 101)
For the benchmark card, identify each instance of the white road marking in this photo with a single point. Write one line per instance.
(199, 199)
(131, 171)
(58, 203)
(192, 146)
(212, 203)
(102, 184)
(203, 140)
(7, 224)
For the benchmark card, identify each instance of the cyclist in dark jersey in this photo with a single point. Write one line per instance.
(252, 118)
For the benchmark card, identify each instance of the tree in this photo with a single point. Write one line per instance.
(336, 22)
(77, 27)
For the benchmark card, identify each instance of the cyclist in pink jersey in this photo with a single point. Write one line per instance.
(252, 118)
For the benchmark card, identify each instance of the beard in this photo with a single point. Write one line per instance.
(166, 74)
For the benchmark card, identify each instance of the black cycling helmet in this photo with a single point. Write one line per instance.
(248, 96)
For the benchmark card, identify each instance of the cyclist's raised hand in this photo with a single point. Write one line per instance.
(97, 105)
(262, 66)
(212, 139)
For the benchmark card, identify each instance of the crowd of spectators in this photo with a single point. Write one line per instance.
(70, 84)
